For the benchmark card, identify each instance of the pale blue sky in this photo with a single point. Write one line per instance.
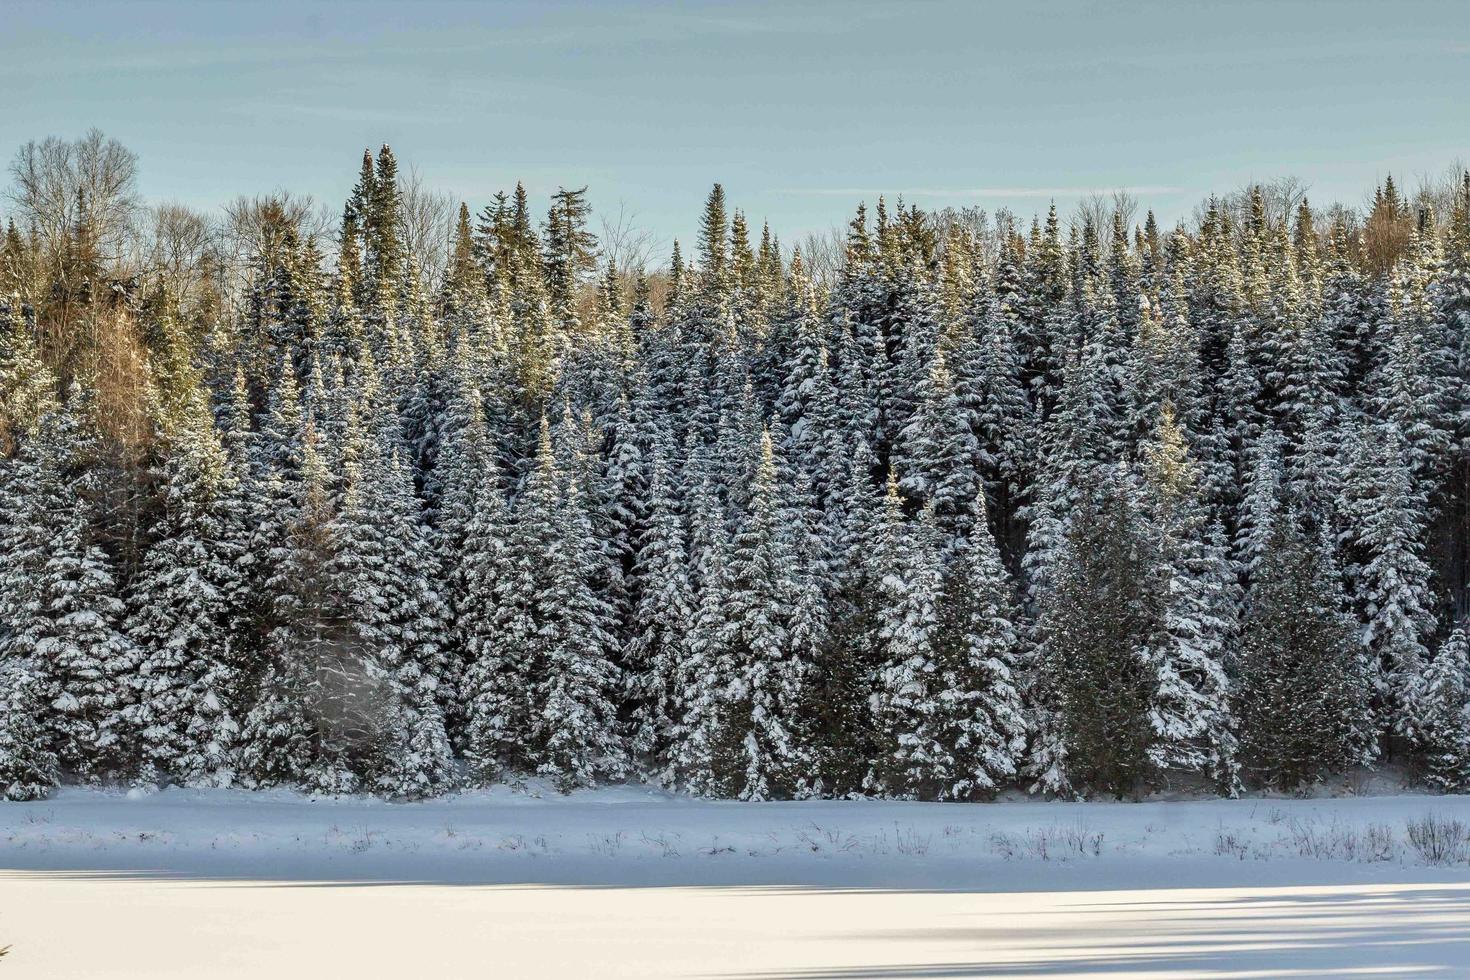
(799, 108)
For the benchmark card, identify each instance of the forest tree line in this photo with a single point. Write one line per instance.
(971, 503)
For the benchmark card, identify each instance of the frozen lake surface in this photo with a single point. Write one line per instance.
(627, 882)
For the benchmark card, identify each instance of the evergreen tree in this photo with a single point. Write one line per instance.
(661, 620)
(303, 727)
(1392, 581)
(27, 387)
(979, 719)
(28, 767)
(475, 585)
(1190, 713)
(908, 572)
(1301, 693)
(767, 757)
(698, 754)
(938, 452)
(576, 724)
(1100, 629)
(1443, 716)
(182, 622)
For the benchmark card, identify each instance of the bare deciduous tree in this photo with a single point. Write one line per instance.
(62, 185)
(428, 224)
(180, 249)
(1100, 208)
(253, 226)
(823, 254)
(628, 247)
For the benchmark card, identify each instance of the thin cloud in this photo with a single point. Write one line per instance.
(1159, 189)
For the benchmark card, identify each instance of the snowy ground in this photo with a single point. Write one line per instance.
(628, 882)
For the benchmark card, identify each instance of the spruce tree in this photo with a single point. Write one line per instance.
(297, 732)
(661, 621)
(1442, 720)
(767, 758)
(1383, 534)
(183, 620)
(698, 755)
(1099, 626)
(28, 767)
(1190, 712)
(576, 724)
(1301, 694)
(476, 610)
(979, 719)
(908, 571)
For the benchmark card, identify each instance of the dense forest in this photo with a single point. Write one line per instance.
(955, 504)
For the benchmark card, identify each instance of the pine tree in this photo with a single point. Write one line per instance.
(767, 683)
(1392, 581)
(297, 732)
(1442, 721)
(991, 388)
(979, 719)
(908, 571)
(1099, 628)
(938, 453)
(1301, 700)
(576, 725)
(510, 648)
(1079, 455)
(182, 622)
(62, 601)
(570, 251)
(381, 217)
(476, 613)
(1190, 714)
(698, 753)
(28, 767)
(840, 711)
(661, 621)
(383, 569)
(27, 387)
(79, 638)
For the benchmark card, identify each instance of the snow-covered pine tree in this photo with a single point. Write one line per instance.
(807, 401)
(1442, 719)
(767, 690)
(184, 618)
(907, 568)
(991, 390)
(979, 718)
(64, 607)
(698, 755)
(661, 622)
(509, 648)
(27, 386)
(1413, 386)
(809, 621)
(465, 467)
(293, 733)
(841, 713)
(1190, 712)
(575, 727)
(384, 684)
(1079, 452)
(1382, 536)
(79, 636)
(28, 767)
(1261, 504)
(937, 452)
(476, 611)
